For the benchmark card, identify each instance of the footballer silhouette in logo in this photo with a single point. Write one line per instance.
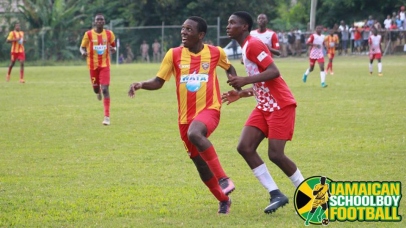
(321, 193)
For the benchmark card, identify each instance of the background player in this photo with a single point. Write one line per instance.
(274, 115)
(332, 42)
(194, 66)
(321, 193)
(375, 52)
(16, 38)
(97, 44)
(267, 36)
(316, 44)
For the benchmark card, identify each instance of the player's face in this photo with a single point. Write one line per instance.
(99, 21)
(318, 29)
(190, 34)
(235, 26)
(262, 20)
(17, 27)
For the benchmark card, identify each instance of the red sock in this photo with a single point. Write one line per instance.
(21, 74)
(210, 157)
(106, 102)
(215, 189)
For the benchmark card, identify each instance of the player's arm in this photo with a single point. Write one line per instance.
(274, 43)
(83, 45)
(270, 73)
(151, 84)
(317, 190)
(232, 72)
(234, 95)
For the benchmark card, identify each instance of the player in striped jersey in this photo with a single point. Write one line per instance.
(97, 45)
(193, 66)
(331, 43)
(375, 52)
(16, 38)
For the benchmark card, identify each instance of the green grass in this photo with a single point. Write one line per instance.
(60, 167)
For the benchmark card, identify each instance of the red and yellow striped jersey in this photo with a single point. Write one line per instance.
(331, 43)
(197, 86)
(98, 47)
(16, 46)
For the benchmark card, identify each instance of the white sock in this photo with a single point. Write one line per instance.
(370, 67)
(296, 178)
(263, 175)
(380, 67)
(307, 71)
(323, 76)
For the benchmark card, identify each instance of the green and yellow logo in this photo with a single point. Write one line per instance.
(320, 200)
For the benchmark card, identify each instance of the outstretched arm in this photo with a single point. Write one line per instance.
(234, 95)
(151, 84)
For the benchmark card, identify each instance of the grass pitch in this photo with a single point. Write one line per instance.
(60, 167)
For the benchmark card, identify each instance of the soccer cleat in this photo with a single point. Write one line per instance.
(304, 78)
(106, 120)
(380, 74)
(323, 85)
(22, 81)
(276, 202)
(224, 207)
(370, 73)
(227, 186)
(7, 77)
(99, 96)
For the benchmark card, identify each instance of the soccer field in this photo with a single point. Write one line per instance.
(60, 167)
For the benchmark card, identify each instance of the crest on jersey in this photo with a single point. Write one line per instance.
(205, 66)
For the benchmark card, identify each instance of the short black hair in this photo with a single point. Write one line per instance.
(201, 23)
(246, 17)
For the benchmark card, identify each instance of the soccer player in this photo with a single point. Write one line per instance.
(16, 38)
(97, 45)
(375, 52)
(194, 66)
(274, 115)
(321, 193)
(267, 36)
(332, 42)
(316, 44)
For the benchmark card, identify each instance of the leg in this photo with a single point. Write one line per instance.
(371, 60)
(310, 69)
(198, 132)
(379, 67)
(22, 71)
(276, 154)
(10, 67)
(322, 73)
(310, 215)
(104, 76)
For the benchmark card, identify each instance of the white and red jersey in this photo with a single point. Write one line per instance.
(273, 94)
(269, 37)
(375, 44)
(316, 52)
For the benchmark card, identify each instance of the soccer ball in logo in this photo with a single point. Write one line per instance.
(325, 222)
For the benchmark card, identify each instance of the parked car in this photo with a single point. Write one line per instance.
(228, 49)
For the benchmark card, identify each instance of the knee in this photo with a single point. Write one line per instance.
(105, 90)
(275, 157)
(243, 149)
(194, 136)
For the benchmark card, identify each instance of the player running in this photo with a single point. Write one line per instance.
(332, 42)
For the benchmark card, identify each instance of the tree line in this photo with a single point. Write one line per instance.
(55, 27)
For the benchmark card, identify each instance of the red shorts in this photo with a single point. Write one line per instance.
(100, 76)
(330, 56)
(278, 124)
(375, 56)
(210, 118)
(20, 56)
(313, 61)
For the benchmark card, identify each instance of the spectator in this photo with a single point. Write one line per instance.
(352, 38)
(366, 32)
(402, 17)
(358, 39)
(156, 51)
(345, 35)
(130, 55)
(291, 42)
(284, 43)
(370, 21)
(393, 36)
(144, 51)
(298, 42)
(387, 22)
(121, 59)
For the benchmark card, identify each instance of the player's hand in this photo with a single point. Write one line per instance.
(84, 54)
(230, 97)
(113, 50)
(134, 87)
(236, 82)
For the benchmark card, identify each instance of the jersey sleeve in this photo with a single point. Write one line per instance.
(10, 36)
(85, 40)
(166, 69)
(258, 53)
(275, 41)
(223, 61)
(113, 39)
(310, 40)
